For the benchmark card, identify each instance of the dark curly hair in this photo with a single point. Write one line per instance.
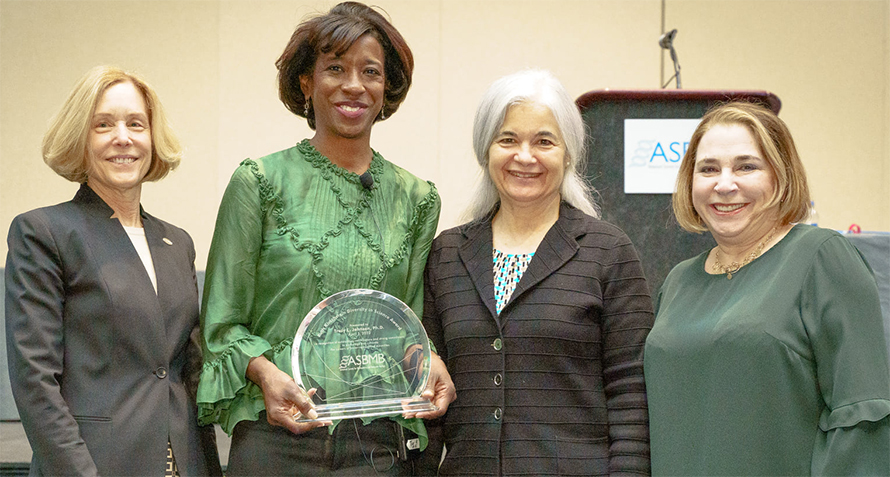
(334, 32)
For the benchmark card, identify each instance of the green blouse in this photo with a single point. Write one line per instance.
(293, 229)
(780, 371)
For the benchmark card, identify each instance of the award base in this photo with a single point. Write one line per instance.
(381, 407)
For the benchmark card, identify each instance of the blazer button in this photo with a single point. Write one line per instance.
(161, 373)
(497, 344)
(498, 379)
(497, 414)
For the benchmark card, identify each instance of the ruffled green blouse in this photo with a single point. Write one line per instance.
(293, 229)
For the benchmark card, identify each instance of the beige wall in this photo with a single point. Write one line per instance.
(212, 64)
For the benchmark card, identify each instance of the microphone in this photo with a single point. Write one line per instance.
(367, 180)
(667, 39)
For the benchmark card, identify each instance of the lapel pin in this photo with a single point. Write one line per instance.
(167, 241)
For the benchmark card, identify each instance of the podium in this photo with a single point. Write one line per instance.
(647, 218)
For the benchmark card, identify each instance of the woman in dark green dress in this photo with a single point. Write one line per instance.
(768, 354)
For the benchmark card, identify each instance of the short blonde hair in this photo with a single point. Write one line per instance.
(791, 196)
(66, 145)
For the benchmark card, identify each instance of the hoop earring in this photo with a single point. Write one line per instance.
(307, 106)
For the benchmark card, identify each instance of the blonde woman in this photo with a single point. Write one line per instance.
(101, 299)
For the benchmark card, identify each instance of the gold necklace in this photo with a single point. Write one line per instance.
(735, 266)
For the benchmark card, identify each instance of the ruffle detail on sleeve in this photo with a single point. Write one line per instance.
(281, 356)
(872, 410)
(223, 380)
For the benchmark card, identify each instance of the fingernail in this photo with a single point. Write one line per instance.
(312, 414)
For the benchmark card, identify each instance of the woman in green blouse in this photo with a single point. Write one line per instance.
(768, 355)
(299, 225)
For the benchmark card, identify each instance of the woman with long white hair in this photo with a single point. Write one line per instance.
(539, 308)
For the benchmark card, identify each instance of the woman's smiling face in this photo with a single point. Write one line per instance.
(347, 90)
(731, 185)
(526, 160)
(120, 140)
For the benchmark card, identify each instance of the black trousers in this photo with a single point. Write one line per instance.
(260, 449)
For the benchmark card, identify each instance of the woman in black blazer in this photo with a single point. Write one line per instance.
(539, 309)
(102, 302)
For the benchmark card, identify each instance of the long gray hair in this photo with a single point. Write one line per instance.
(540, 87)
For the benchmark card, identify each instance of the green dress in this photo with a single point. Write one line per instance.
(780, 371)
(293, 229)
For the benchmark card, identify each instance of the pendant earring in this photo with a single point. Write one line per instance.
(307, 106)
(383, 112)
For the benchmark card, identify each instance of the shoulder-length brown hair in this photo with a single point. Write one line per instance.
(791, 195)
(66, 145)
(334, 32)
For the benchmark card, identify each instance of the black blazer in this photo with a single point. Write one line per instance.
(98, 362)
(554, 384)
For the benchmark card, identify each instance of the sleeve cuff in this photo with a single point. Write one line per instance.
(872, 410)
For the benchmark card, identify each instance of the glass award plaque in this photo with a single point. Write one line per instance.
(366, 353)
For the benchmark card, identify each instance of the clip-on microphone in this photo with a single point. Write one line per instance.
(367, 181)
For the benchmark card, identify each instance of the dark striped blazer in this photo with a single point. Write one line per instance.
(554, 384)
